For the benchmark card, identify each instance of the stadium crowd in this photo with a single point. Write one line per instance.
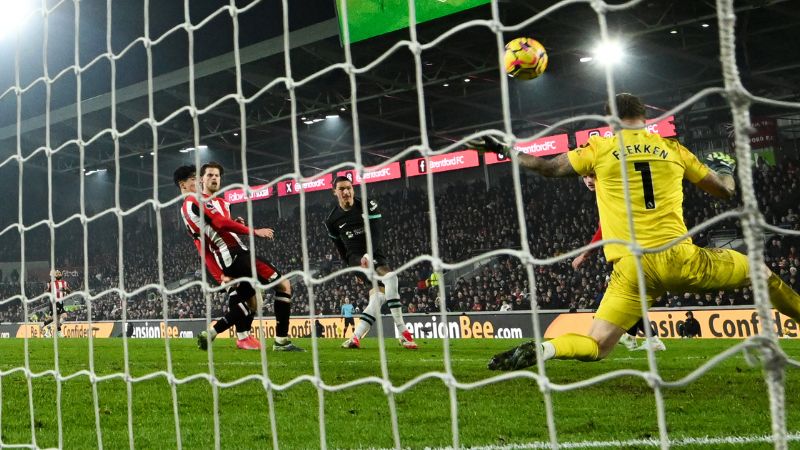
(471, 220)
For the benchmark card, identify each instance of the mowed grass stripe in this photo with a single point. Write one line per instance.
(730, 400)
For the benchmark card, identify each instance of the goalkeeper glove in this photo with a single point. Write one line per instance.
(722, 163)
(488, 144)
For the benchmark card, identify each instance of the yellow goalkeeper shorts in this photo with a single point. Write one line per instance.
(682, 268)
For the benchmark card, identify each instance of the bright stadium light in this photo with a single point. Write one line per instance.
(15, 14)
(191, 149)
(332, 116)
(586, 59)
(308, 122)
(609, 52)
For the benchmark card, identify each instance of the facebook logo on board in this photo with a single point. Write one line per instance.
(422, 166)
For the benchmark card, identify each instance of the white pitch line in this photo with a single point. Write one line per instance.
(679, 442)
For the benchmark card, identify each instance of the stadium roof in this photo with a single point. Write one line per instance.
(663, 66)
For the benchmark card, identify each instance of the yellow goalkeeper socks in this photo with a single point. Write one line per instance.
(576, 346)
(783, 297)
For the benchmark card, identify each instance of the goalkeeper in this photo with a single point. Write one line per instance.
(656, 169)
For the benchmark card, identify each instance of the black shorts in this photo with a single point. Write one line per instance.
(240, 267)
(349, 321)
(60, 308)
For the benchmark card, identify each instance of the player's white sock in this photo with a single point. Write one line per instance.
(370, 314)
(397, 315)
(212, 333)
(548, 351)
(393, 301)
(242, 334)
(281, 340)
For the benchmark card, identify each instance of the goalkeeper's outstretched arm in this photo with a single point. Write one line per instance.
(552, 168)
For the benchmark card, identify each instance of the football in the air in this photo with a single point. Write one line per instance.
(525, 58)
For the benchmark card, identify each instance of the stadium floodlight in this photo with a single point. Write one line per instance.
(191, 149)
(308, 122)
(609, 52)
(705, 25)
(331, 116)
(15, 14)
(91, 172)
(586, 59)
(342, 109)
(319, 119)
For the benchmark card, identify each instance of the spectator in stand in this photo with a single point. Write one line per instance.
(690, 327)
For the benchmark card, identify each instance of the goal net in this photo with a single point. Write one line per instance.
(102, 100)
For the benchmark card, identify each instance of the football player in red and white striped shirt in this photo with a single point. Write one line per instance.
(211, 180)
(223, 254)
(58, 289)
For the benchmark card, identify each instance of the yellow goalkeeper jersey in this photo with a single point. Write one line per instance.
(656, 169)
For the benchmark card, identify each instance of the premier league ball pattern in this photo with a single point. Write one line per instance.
(525, 58)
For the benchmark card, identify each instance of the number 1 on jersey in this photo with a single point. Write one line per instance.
(647, 184)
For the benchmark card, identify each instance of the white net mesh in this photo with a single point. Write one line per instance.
(774, 361)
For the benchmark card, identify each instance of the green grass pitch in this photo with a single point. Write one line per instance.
(729, 400)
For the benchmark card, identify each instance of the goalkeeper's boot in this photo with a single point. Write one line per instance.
(502, 361)
(407, 341)
(353, 342)
(203, 340)
(286, 347)
(628, 341)
(248, 343)
(517, 358)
